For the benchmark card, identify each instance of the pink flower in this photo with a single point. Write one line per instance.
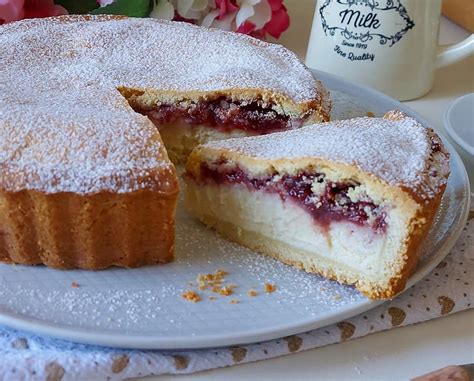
(246, 27)
(280, 20)
(261, 17)
(42, 8)
(225, 7)
(12, 10)
(252, 12)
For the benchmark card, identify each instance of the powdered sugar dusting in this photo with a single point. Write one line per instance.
(64, 124)
(400, 152)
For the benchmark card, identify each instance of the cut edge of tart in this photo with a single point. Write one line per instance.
(188, 119)
(325, 199)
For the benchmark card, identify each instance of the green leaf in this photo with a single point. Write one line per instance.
(132, 8)
(75, 7)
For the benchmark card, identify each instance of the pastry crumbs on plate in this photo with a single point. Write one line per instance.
(221, 273)
(191, 296)
(74, 285)
(269, 288)
(370, 114)
(212, 298)
(252, 293)
(226, 290)
(234, 301)
(212, 281)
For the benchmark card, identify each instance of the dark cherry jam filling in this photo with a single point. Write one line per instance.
(333, 204)
(223, 114)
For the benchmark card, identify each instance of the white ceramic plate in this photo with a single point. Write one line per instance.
(459, 122)
(142, 308)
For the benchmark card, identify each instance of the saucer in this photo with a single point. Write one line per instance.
(459, 122)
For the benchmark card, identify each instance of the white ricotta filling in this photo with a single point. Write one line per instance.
(354, 246)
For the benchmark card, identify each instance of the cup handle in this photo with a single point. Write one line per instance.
(450, 54)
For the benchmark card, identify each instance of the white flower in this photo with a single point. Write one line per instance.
(193, 9)
(209, 18)
(162, 9)
(258, 12)
(226, 23)
(103, 3)
(206, 12)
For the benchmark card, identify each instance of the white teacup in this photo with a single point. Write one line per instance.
(390, 45)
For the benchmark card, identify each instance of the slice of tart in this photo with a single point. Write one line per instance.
(350, 200)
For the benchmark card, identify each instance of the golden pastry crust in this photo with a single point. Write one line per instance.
(65, 230)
